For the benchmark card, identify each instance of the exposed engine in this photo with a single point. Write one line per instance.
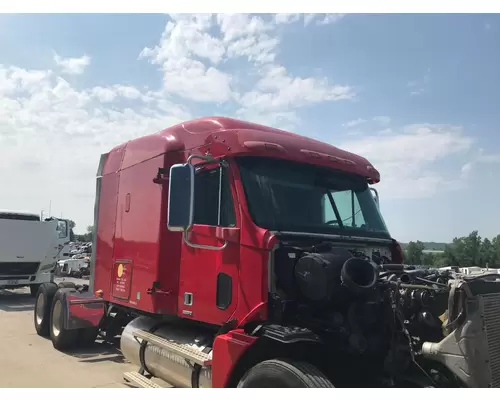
(365, 307)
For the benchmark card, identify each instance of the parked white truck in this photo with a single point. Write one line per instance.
(29, 248)
(74, 267)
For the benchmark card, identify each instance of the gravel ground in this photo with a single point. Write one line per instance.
(28, 360)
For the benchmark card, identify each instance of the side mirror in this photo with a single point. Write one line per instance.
(180, 197)
(375, 196)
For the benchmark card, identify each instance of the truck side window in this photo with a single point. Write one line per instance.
(62, 227)
(206, 199)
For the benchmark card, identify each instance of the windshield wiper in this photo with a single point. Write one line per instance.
(335, 210)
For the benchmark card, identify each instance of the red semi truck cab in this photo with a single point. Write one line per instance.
(228, 254)
(218, 270)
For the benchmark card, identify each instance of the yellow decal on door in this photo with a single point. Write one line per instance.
(120, 270)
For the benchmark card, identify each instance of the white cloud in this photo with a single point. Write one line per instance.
(106, 95)
(382, 119)
(330, 19)
(417, 92)
(417, 87)
(353, 123)
(256, 49)
(278, 90)
(322, 19)
(480, 158)
(407, 159)
(72, 66)
(386, 131)
(192, 58)
(55, 133)
(128, 92)
(235, 26)
(182, 43)
(286, 18)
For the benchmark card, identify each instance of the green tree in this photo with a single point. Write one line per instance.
(495, 251)
(429, 259)
(414, 253)
(486, 253)
(449, 254)
(465, 251)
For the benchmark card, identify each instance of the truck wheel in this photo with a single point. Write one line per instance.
(43, 304)
(281, 373)
(34, 289)
(62, 338)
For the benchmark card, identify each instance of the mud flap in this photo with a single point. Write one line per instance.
(84, 309)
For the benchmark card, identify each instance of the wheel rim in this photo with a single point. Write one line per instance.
(56, 318)
(40, 308)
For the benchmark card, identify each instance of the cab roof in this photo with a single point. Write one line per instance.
(222, 136)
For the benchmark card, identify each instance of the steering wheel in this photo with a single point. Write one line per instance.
(332, 222)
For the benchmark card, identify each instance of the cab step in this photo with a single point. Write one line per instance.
(140, 381)
(195, 356)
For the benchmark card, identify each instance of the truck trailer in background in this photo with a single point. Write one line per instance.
(29, 248)
(231, 254)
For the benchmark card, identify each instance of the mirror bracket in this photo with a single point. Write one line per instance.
(162, 176)
(223, 163)
(376, 197)
(202, 246)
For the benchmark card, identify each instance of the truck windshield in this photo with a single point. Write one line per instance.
(290, 196)
(19, 217)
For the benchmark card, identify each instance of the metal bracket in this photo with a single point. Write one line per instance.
(162, 176)
(207, 159)
(203, 246)
(155, 289)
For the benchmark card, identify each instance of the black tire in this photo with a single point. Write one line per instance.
(34, 289)
(282, 373)
(43, 307)
(62, 338)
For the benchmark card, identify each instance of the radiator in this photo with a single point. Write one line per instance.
(491, 322)
(472, 350)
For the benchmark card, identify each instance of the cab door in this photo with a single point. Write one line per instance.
(208, 281)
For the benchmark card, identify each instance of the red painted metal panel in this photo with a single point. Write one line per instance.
(227, 351)
(105, 231)
(232, 137)
(198, 275)
(137, 231)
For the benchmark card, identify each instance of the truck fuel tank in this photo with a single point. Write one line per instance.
(178, 354)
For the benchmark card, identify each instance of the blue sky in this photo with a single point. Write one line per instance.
(418, 95)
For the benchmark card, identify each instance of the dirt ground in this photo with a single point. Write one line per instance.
(28, 360)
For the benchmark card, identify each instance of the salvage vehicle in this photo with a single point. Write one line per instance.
(29, 247)
(231, 254)
(72, 267)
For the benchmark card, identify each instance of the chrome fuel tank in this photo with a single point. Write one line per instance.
(163, 364)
